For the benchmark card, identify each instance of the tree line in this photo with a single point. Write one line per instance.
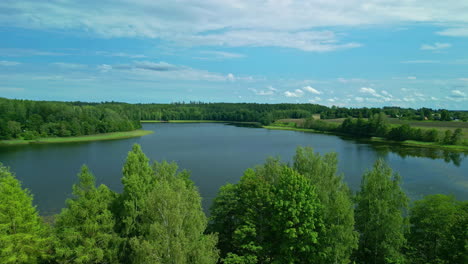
(378, 126)
(277, 213)
(26, 119)
(34, 119)
(423, 113)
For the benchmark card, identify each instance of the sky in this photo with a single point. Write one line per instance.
(353, 53)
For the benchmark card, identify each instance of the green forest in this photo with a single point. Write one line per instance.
(302, 212)
(377, 125)
(28, 120)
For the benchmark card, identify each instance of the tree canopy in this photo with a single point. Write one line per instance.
(23, 236)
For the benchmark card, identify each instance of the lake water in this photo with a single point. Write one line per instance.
(217, 153)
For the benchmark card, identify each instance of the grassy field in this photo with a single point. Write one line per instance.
(441, 126)
(106, 136)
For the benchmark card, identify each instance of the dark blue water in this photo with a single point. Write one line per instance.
(217, 153)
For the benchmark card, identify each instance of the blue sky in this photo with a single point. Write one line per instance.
(411, 53)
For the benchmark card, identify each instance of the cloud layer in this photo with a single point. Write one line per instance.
(233, 23)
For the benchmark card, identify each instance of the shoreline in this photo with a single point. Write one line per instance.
(183, 121)
(409, 143)
(87, 138)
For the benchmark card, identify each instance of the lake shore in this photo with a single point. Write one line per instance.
(411, 143)
(183, 121)
(96, 137)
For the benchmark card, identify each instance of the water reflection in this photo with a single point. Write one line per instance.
(405, 151)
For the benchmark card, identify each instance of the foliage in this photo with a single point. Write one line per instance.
(439, 230)
(162, 219)
(380, 208)
(85, 229)
(23, 236)
(277, 213)
(339, 238)
(33, 119)
(275, 217)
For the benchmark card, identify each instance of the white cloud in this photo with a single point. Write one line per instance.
(230, 77)
(120, 54)
(454, 32)
(458, 94)
(383, 96)
(315, 100)
(420, 61)
(269, 91)
(436, 46)
(104, 67)
(11, 89)
(352, 80)
(386, 93)
(318, 41)
(409, 99)
(233, 23)
(220, 55)
(311, 90)
(359, 99)
(296, 93)
(368, 90)
(7, 52)
(9, 63)
(69, 65)
(148, 70)
(411, 78)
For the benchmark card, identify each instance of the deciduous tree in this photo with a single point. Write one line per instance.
(381, 206)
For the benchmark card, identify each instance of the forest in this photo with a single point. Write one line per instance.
(302, 212)
(26, 119)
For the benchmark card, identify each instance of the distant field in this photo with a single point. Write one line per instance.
(441, 126)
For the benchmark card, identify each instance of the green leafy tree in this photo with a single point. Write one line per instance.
(23, 236)
(339, 238)
(173, 222)
(138, 181)
(13, 129)
(445, 115)
(447, 137)
(223, 219)
(163, 221)
(85, 229)
(380, 210)
(457, 137)
(439, 230)
(274, 217)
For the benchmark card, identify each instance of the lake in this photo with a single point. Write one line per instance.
(217, 153)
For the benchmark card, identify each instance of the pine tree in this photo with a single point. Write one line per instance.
(380, 210)
(23, 236)
(85, 229)
(339, 238)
